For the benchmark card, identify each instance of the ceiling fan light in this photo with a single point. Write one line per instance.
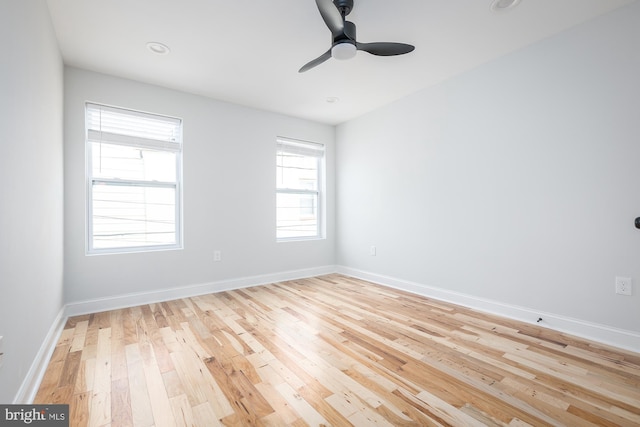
(344, 50)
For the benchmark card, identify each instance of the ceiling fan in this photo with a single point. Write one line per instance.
(343, 35)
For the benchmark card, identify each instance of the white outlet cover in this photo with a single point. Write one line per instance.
(623, 285)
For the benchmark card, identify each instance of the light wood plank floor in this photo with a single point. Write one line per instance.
(335, 351)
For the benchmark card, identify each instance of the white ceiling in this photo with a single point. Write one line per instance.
(248, 52)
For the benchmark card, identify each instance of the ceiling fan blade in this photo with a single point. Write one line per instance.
(319, 60)
(331, 16)
(385, 48)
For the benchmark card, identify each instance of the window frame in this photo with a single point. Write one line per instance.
(319, 192)
(175, 147)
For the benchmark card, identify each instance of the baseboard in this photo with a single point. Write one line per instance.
(27, 392)
(141, 298)
(628, 340)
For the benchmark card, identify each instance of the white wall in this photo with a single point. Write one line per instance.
(516, 182)
(229, 193)
(31, 193)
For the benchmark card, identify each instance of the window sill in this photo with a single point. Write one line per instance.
(299, 239)
(133, 250)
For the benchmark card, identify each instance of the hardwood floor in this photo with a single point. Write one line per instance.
(335, 351)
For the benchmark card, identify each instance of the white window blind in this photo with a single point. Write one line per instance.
(134, 164)
(299, 182)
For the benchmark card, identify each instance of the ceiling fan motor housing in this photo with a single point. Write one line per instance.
(348, 34)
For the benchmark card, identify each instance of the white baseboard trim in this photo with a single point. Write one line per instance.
(27, 392)
(141, 298)
(628, 340)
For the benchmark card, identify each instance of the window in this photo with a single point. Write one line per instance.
(134, 163)
(299, 182)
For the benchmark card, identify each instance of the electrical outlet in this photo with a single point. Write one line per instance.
(623, 285)
(217, 256)
(372, 251)
(1, 352)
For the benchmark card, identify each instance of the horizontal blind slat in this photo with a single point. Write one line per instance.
(133, 123)
(303, 148)
(131, 141)
(133, 183)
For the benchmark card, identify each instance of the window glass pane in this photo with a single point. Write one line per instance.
(297, 215)
(295, 171)
(125, 162)
(128, 216)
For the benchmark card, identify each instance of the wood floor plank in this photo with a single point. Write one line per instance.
(332, 350)
(141, 409)
(200, 386)
(282, 412)
(306, 411)
(182, 412)
(79, 409)
(158, 394)
(121, 403)
(79, 335)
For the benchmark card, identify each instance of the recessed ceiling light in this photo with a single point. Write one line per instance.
(501, 5)
(158, 48)
(332, 99)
